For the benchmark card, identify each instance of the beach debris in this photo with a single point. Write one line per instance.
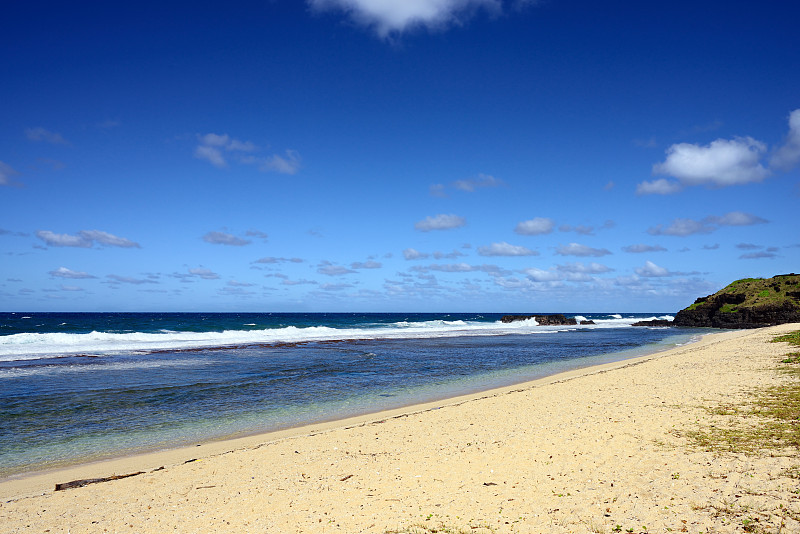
(345, 478)
(87, 481)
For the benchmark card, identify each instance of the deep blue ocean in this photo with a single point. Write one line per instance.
(76, 387)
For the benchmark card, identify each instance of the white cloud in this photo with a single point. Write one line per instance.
(758, 255)
(722, 163)
(212, 145)
(205, 274)
(257, 233)
(538, 275)
(84, 239)
(6, 172)
(640, 248)
(580, 229)
(413, 254)
(211, 154)
(40, 134)
(63, 272)
(271, 260)
(584, 268)
(440, 222)
(575, 249)
(506, 249)
(736, 218)
(458, 268)
(63, 240)
(684, 227)
(448, 255)
(366, 265)
(302, 282)
(661, 186)
(535, 226)
(393, 16)
(288, 164)
(483, 180)
(788, 155)
(650, 269)
(130, 280)
(329, 269)
(104, 238)
(221, 238)
(235, 283)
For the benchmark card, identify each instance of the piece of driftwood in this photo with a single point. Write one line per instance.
(87, 481)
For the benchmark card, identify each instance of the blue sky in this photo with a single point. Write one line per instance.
(386, 155)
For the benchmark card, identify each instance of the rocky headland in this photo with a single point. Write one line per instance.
(746, 303)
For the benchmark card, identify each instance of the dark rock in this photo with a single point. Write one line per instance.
(587, 322)
(555, 319)
(747, 303)
(653, 322)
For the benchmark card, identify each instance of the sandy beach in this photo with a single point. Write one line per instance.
(604, 449)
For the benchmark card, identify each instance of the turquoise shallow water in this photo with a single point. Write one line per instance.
(79, 387)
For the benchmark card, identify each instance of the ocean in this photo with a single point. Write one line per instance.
(78, 387)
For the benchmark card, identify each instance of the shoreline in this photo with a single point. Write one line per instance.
(219, 445)
(41, 481)
(579, 451)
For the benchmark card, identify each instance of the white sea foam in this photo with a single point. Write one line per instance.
(30, 346)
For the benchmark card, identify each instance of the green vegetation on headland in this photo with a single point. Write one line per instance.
(747, 303)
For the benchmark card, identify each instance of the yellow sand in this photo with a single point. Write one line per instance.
(581, 452)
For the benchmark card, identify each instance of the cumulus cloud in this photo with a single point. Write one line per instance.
(736, 218)
(129, 280)
(458, 268)
(580, 229)
(722, 163)
(205, 274)
(535, 226)
(650, 269)
(483, 180)
(329, 269)
(104, 238)
(257, 234)
(762, 254)
(413, 254)
(685, 227)
(682, 227)
(584, 268)
(366, 265)
(235, 283)
(788, 155)
(289, 163)
(448, 255)
(6, 173)
(660, 186)
(271, 259)
(538, 275)
(440, 222)
(221, 238)
(640, 248)
(211, 154)
(575, 249)
(387, 17)
(40, 134)
(63, 272)
(217, 149)
(85, 239)
(506, 249)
